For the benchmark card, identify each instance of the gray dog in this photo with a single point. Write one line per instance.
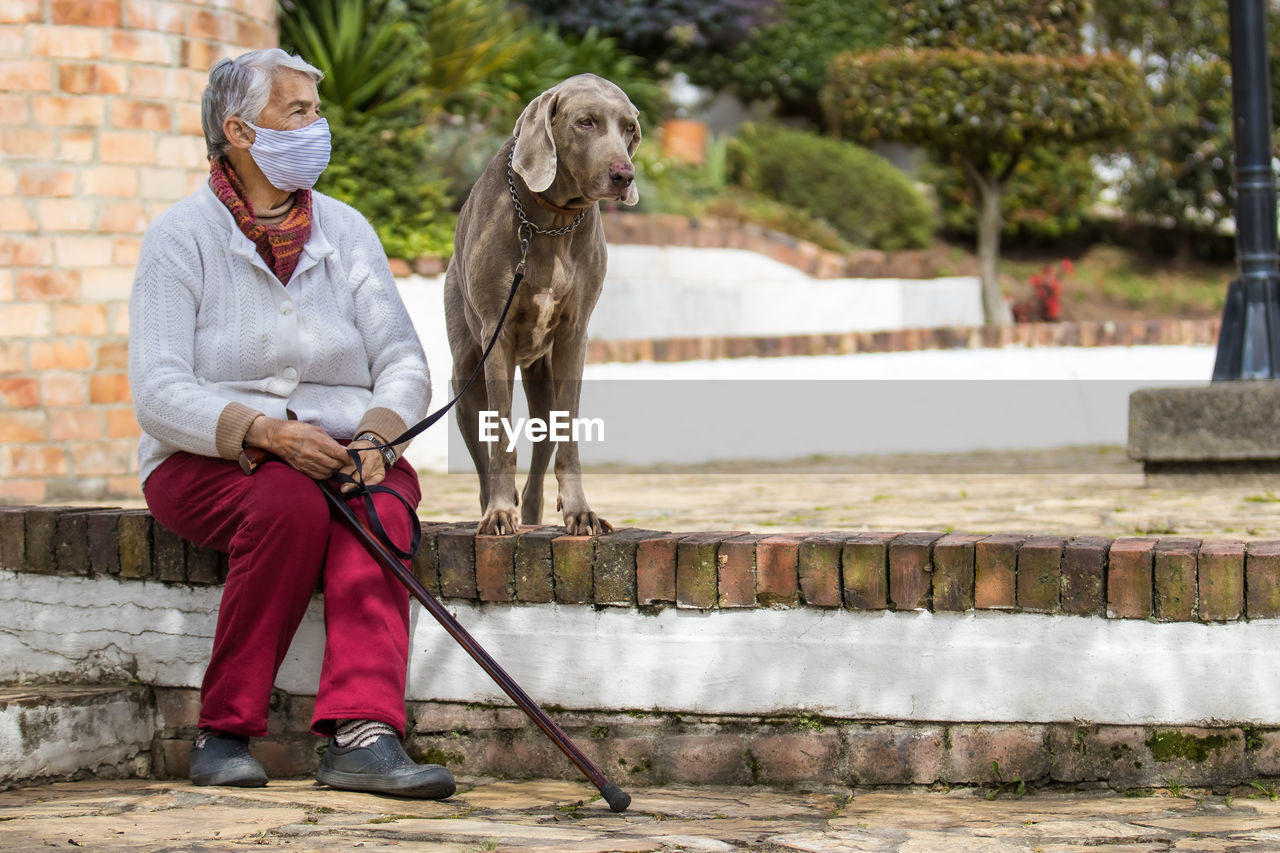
(571, 148)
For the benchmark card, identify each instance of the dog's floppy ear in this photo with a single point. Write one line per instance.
(633, 192)
(535, 154)
(635, 139)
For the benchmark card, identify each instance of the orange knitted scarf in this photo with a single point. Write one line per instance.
(279, 245)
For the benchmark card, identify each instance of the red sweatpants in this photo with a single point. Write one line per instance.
(278, 532)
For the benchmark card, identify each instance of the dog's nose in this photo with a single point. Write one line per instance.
(622, 174)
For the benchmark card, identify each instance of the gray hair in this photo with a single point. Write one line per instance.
(242, 86)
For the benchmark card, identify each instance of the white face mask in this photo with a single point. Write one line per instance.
(291, 159)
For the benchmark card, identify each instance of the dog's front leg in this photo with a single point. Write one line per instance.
(568, 357)
(500, 509)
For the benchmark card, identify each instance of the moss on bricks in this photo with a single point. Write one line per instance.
(432, 755)
(1169, 745)
(696, 570)
(571, 569)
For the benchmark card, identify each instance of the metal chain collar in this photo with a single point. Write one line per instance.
(527, 229)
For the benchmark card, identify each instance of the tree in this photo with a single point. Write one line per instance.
(654, 28)
(985, 83)
(785, 59)
(1179, 168)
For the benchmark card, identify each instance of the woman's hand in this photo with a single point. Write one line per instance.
(372, 465)
(305, 447)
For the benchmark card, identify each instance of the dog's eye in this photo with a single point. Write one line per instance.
(587, 123)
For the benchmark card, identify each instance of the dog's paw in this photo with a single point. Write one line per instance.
(586, 524)
(499, 522)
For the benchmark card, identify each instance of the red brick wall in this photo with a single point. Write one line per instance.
(99, 132)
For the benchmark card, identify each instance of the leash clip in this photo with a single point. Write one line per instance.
(525, 232)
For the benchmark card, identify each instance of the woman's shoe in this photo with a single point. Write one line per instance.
(218, 758)
(383, 768)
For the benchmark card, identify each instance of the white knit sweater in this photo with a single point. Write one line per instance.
(216, 339)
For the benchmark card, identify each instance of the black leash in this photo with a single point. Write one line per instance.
(525, 232)
(367, 492)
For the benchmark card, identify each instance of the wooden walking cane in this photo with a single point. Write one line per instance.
(252, 457)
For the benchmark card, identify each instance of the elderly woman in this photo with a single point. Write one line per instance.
(264, 314)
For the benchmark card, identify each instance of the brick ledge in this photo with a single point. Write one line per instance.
(1165, 579)
(1093, 333)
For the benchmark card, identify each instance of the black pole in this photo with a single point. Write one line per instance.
(1249, 343)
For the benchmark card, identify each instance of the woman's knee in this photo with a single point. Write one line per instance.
(286, 497)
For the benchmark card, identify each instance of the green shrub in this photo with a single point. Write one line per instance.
(670, 186)
(651, 28)
(378, 168)
(369, 51)
(469, 43)
(979, 103)
(1003, 26)
(787, 58)
(551, 56)
(1050, 194)
(868, 200)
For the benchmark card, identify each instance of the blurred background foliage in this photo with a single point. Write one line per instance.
(785, 59)
(421, 93)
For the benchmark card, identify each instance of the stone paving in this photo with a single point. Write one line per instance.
(136, 815)
(1087, 491)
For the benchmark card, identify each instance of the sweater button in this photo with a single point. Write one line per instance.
(290, 373)
(286, 309)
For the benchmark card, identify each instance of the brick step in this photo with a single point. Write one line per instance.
(63, 732)
(655, 748)
(1085, 333)
(54, 732)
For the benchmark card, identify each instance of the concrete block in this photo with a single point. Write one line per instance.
(1220, 422)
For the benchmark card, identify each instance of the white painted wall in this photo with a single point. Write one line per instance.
(994, 667)
(62, 737)
(671, 291)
